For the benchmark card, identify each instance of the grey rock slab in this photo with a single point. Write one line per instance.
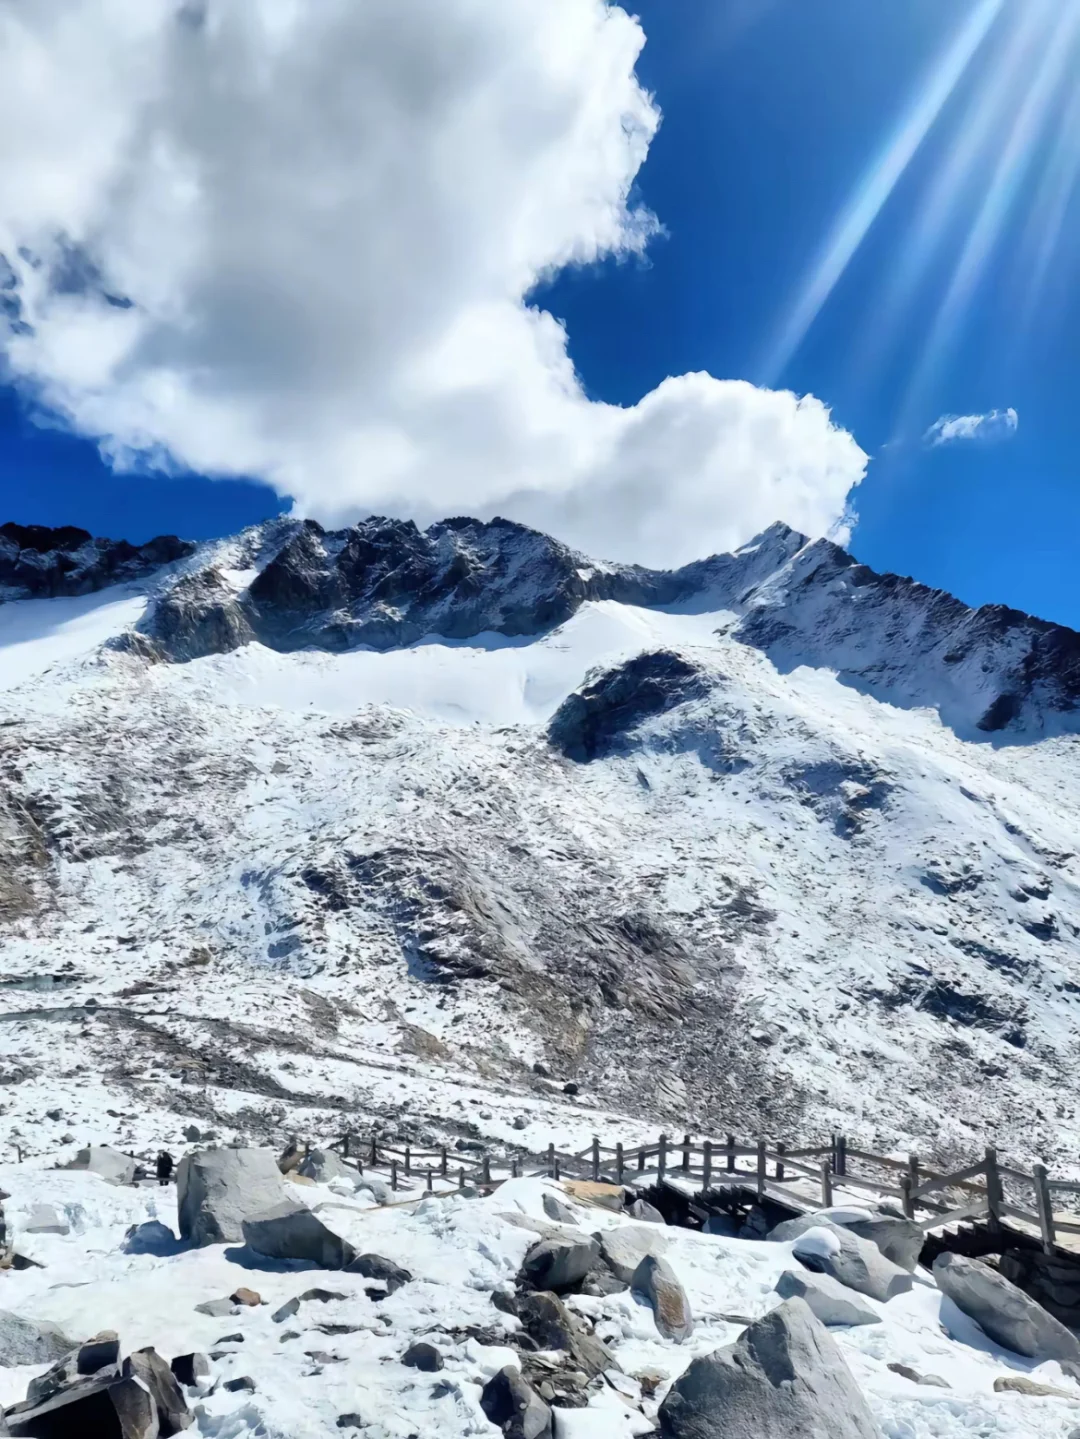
(322, 1165)
(556, 1209)
(623, 1249)
(560, 1263)
(900, 1240)
(97, 1359)
(148, 1366)
(216, 1308)
(1002, 1311)
(932, 1381)
(124, 1409)
(645, 1213)
(424, 1357)
(109, 1164)
(514, 1406)
(44, 1219)
(784, 1378)
(292, 1231)
(550, 1325)
(857, 1263)
(217, 1189)
(829, 1301)
(29, 1341)
(190, 1369)
(655, 1281)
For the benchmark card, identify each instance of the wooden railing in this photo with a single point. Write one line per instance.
(925, 1195)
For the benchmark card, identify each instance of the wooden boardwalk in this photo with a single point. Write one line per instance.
(802, 1179)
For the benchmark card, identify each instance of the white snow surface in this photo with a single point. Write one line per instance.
(459, 1251)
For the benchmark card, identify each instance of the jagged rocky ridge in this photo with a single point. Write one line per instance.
(38, 562)
(385, 584)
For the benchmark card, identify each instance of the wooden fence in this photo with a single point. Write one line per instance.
(803, 1178)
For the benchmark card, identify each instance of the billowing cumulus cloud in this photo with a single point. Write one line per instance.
(295, 239)
(988, 429)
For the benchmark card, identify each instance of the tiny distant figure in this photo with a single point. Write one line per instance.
(164, 1167)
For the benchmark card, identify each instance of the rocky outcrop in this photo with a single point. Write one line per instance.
(1052, 1280)
(785, 1376)
(825, 1248)
(199, 615)
(124, 1409)
(899, 1239)
(559, 1263)
(292, 1231)
(550, 1325)
(515, 1408)
(216, 1189)
(654, 1280)
(829, 1301)
(1004, 1312)
(110, 1164)
(623, 1249)
(37, 562)
(591, 722)
(26, 1341)
(382, 1271)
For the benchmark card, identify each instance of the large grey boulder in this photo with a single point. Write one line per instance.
(292, 1231)
(514, 1406)
(322, 1165)
(124, 1409)
(216, 1189)
(558, 1263)
(28, 1341)
(899, 1239)
(784, 1378)
(108, 1164)
(1002, 1311)
(827, 1249)
(655, 1281)
(383, 1271)
(148, 1366)
(829, 1301)
(623, 1249)
(96, 1360)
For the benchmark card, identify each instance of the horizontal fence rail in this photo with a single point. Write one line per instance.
(929, 1197)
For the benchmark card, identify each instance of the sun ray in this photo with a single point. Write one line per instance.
(879, 184)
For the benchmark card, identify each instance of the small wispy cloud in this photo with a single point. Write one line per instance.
(988, 429)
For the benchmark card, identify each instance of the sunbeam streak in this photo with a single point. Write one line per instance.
(879, 184)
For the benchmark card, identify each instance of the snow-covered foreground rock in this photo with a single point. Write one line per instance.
(340, 1354)
(430, 825)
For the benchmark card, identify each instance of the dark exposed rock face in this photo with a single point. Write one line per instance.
(592, 721)
(37, 562)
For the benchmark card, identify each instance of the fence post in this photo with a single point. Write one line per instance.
(762, 1167)
(781, 1149)
(662, 1157)
(430, 1180)
(620, 1164)
(485, 1169)
(641, 1160)
(906, 1201)
(345, 1145)
(686, 1154)
(393, 1174)
(731, 1154)
(553, 1173)
(826, 1185)
(994, 1193)
(556, 1173)
(1045, 1207)
(408, 1161)
(513, 1169)
(596, 1159)
(374, 1150)
(913, 1177)
(841, 1154)
(442, 1162)
(461, 1178)
(706, 1172)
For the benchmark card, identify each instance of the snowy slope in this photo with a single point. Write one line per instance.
(277, 887)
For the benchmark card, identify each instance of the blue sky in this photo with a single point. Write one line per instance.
(774, 112)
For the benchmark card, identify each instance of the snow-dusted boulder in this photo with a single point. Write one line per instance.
(560, 1263)
(26, 1341)
(855, 1262)
(109, 1164)
(655, 1281)
(292, 1231)
(514, 1406)
(899, 1239)
(624, 1248)
(217, 1189)
(1004, 1312)
(323, 1165)
(551, 1325)
(784, 1377)
(829, 1301)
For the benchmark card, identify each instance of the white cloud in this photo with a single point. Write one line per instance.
(326, 217)
(988, 429)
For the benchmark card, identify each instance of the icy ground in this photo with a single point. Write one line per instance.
(266, 892)
(459, 1251)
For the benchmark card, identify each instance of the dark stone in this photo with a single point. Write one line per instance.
(37, 562)
(514, 1406)
(597, 718)
(424, 1357)
(245, 1384)
(190, 1369)
(292, 1231)
(559, 1264)
(374, 1266)
(172, 1409)
(550, 1325)
(123, 1409)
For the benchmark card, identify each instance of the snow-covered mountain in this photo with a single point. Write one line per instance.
(313, 829)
